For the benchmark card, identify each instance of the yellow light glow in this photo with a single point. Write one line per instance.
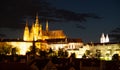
(108, 58)
(23, 47)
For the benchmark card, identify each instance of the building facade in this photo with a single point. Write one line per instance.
(55, 39)
(44, 39)
(37, 33)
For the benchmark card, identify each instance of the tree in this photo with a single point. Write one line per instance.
(5, 49)
(115, 57)
(98, 53)
(73, 55)
(14, 51)
(43, 53)
(50, 50)
(87, 52)
(51, 53)
(62, 53)
(65, 53)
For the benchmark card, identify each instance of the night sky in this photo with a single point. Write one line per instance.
(85, 19)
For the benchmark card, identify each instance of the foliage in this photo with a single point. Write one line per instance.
(14, 51)
(87, 52)
(43, 53)
(84, 56)
(73, 55)
(98, 53)
(62, 53)
(5, 49)
(51, 53)
(115, 57)
(33, 49)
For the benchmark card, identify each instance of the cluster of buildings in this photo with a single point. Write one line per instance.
(56, 39)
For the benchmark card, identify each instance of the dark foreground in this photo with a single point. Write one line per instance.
(59, 64)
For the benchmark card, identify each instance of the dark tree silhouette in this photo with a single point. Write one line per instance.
(115, 57)
(14, 51)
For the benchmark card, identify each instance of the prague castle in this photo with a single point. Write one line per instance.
(44, 39)
(56, 39)
(37, 33)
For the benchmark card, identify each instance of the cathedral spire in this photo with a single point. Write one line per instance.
(40, 27)
(37, 19)
(26, 32)
(26, 22)
(40, 33)
(102, 39)
(107, 38)
(36, 28)
(47, 25)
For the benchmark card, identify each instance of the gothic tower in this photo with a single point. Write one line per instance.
(107, 38)
(40, 32)
(47, 26)
(36, 32)
(102, 39)
(26, 32)
(32, 32)
(36, 28)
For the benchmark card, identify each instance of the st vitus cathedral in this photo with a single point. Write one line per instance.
(37, 33)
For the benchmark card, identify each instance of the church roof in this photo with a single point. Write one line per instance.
(54, 34)
(64, 40)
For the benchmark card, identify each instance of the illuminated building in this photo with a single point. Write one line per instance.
(44, 39)
(107, 39)
(104, 39)
(37, 33)
(56, 39)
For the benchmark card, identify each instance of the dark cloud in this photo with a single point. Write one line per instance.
(80, 26)
(14, 11)
(116, 30)
(115, 34)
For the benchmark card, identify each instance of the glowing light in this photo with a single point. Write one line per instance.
(23, 47)
(108, 58)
